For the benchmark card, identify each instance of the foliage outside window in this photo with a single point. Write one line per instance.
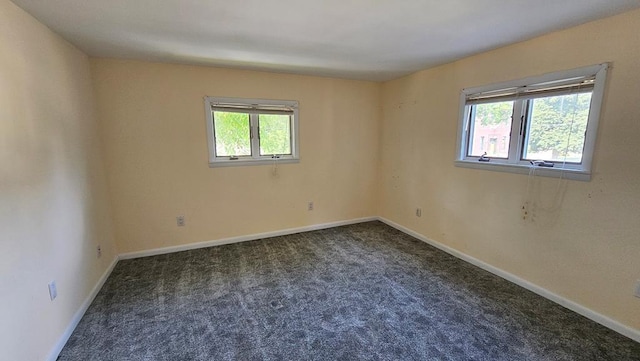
(546, 122)
(251, 131)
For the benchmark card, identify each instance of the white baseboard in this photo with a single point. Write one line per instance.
(251, 237)
(632, 333)
(53, 355)
(595, 316)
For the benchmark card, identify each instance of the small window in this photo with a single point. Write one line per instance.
(557, 128)
(275, 134)
(251, 131)
(547, 122)
(490, 121)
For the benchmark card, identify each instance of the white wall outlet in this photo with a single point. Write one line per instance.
(418, 212)
(99, 251)
(53, 290)
(180, 221)
(310, 206)
(637, 289)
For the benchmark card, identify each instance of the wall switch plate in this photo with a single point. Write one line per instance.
(310, 206)
(418, 212)
(180, 221)
(53, 290)
(637, 289)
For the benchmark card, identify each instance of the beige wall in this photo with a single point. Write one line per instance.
(582, 239)
(358, 160)
(53, 201)
(153, 126)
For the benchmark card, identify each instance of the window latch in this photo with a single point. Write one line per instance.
(541, 163)
(484, 158)
(233, 158)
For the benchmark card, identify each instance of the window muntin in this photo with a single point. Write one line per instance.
(251, 131)
(554, 118)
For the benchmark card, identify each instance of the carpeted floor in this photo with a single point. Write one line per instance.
(359, 292)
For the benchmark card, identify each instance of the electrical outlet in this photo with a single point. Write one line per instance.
(180, 221)
(638, 288)
(53, 290)
(310, 206)
(99, 251)
(418, 212)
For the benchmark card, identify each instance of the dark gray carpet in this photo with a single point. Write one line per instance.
(360, 292)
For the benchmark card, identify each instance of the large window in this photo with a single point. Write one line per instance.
(251, 131)
(547, 122)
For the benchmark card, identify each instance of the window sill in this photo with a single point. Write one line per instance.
(572, 174)
(246, 162)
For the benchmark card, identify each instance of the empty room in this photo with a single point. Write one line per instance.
(333, 180)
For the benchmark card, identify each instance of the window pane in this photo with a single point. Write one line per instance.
(275, 134)
(556, 128)
(232, 132)
(490, 129)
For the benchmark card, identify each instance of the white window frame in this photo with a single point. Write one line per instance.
(253, 107)
(520, 90)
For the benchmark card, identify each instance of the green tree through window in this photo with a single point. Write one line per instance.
(232, 133)
(251, 131)
(558, 125)
(275, 134)
(494, 113)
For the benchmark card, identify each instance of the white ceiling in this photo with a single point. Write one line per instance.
(360, 39)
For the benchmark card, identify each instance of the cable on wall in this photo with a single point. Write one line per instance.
(274, 170)
(557, 199)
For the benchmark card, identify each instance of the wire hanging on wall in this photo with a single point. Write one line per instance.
(274, 170)
(557, 196)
